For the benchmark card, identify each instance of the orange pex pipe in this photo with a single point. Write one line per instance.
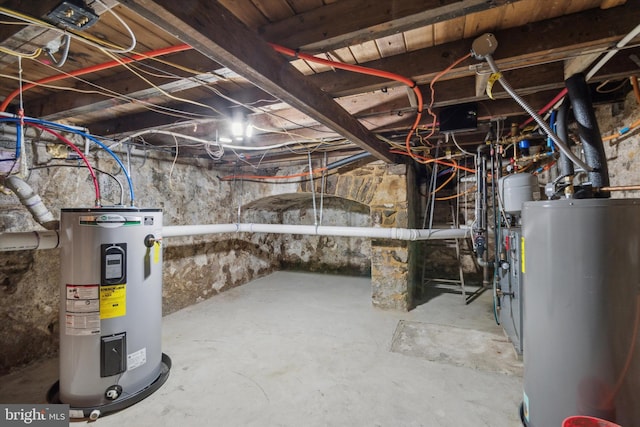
(93, 69)
(362, 70)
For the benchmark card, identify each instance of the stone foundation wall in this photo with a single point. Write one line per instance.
(196, 268)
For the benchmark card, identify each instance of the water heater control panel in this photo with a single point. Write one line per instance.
(114, 263)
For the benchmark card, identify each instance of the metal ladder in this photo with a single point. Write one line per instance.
(450, 284)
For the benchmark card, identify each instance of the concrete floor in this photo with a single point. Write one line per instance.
(299, 349)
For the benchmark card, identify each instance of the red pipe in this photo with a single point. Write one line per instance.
(363, 70)
(93, 69)
(77, 150)
(546, 108)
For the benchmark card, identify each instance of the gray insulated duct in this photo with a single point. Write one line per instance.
(588, 131)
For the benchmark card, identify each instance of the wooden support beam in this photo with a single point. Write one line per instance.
(350, 22)
(541, 42)
(216, 33)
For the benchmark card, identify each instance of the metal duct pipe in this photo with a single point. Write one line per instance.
(32, 202)
(589, 132)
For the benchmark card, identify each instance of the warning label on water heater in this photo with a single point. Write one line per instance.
(113, 301)
(82, 311)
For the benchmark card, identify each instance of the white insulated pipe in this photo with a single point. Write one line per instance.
(29, 240)
(50, 240)
(321, 230)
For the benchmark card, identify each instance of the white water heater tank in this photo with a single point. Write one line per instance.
(110, 308)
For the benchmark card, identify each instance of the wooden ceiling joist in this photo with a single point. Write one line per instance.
(349, 22)
(216, 33)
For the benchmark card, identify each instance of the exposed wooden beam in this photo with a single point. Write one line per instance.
(36, 9)
(216, 33)
(349, 22)
(537, 43)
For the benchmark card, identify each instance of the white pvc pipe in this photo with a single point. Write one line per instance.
(194, 230)
(312, 230)
(622, 43)
(29, 240)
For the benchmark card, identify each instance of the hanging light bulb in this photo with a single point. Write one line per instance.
(237, 129)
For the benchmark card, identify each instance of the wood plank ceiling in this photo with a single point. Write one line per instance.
(230, 70)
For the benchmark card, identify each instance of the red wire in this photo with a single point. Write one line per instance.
(77, 150)
(93, 69)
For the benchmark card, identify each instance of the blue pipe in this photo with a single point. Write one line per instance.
(18, 139)
(552, 124)
(86, 135)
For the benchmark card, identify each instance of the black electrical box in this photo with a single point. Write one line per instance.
(457, 118)
(113, 354)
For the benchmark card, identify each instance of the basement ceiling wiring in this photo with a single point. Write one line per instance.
(162, 91)
(32, 55)
(112, 94)
(94, 68)
(387, 75)
(76, 35)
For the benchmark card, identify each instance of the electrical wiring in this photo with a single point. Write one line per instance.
(271, 177)
(433, 92)
(448, 180)
(453, 138)
(364, 70)
(31, 55)
(127, 28)
(112, 94)
(112, 176)
(207, 143)
(66, 45)
(93, 69)
(455, 196)
(70, 129)
(426, 160)
(66, 142)
(173, 164)
(82, 37)
(159, 89)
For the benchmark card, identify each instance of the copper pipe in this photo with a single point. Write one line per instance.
(636, 87)
(620, 188)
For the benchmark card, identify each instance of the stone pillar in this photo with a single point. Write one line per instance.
(392, 272)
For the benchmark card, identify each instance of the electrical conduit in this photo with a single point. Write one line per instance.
(559, 143)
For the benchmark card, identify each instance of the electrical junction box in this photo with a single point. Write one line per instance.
(73, 14)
